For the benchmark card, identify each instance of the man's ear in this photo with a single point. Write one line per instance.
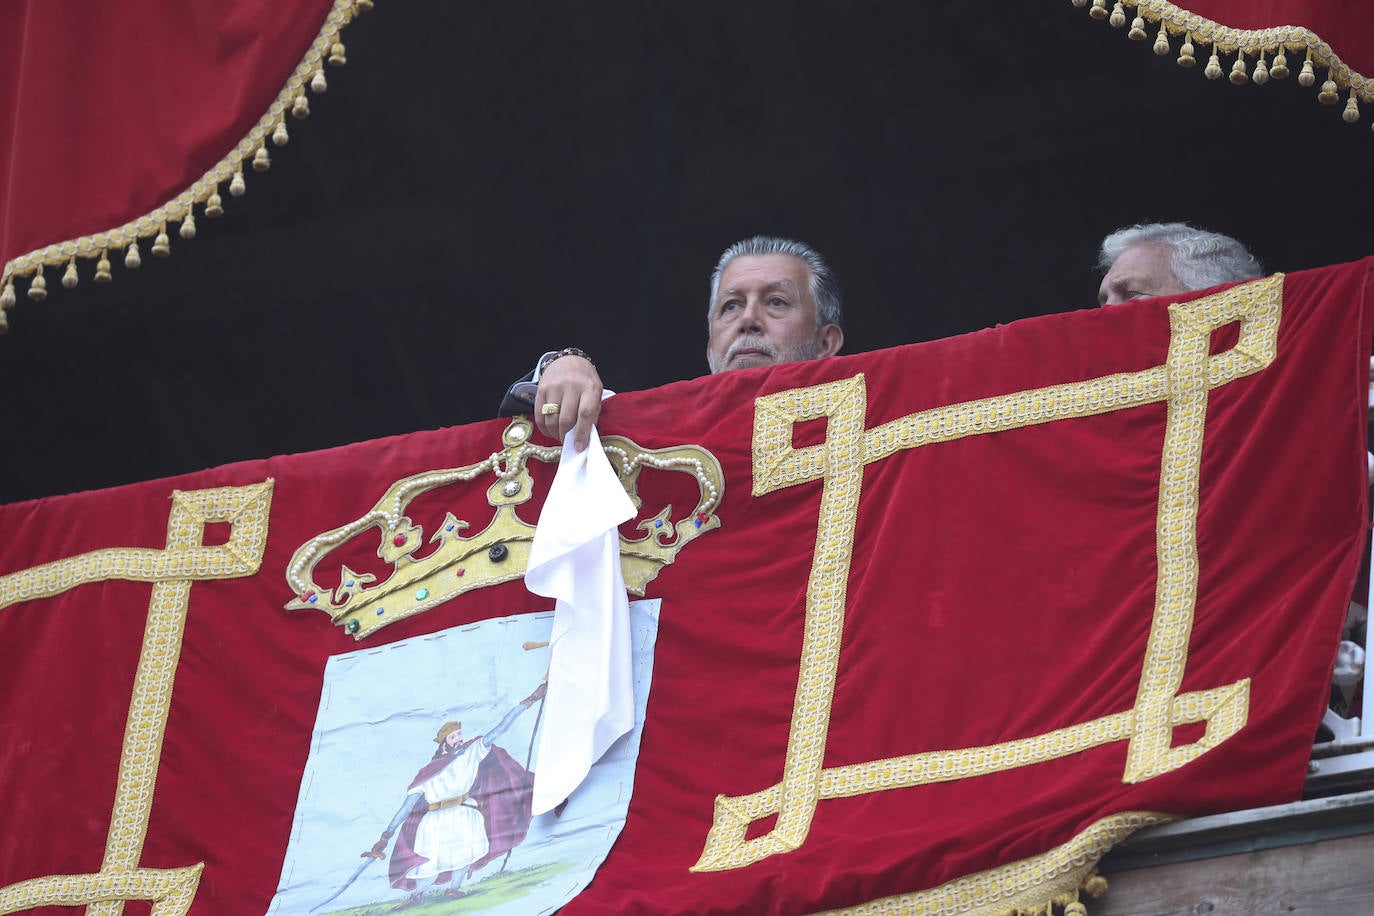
(832, 338)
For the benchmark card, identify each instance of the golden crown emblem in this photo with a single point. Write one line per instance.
(361, 604)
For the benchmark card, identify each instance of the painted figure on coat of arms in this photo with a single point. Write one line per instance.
(467, 807)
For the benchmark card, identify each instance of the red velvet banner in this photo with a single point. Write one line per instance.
(957, 616)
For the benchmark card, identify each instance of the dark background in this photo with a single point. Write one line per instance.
(483, 182)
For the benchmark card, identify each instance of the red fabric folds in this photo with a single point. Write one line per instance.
(1000, 586)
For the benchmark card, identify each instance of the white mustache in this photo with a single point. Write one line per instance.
(750, 342)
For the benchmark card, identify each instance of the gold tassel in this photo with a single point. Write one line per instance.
(363, 6)
(1308, 76)
(102, 268)
(319, 84)
(279, 136)
(214, 206)
(1096, 885)
(1186, 58)
(1079, 3)
(4, 321)
(1118, 18)
(1238, 77)
(7, 297)
(162, 245)
(1099, 10)
(1213, 69)
(69, 277)
(236, 185)
(336, 55)
(1075, 909)
(131, 258)
(1329, 95)
(261, 161)
(38, 289)
(1162, 41)
(1280, 69)
(188, 226)
(1352, 109)
(1261, 74)
(1137, 32)
(300, 108)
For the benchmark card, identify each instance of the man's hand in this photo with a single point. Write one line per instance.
(571, 383)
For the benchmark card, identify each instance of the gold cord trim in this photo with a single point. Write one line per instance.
(252, 149)
(1183, 383)
(171, 891)
(172, 570)
(1028, 886)
(1268, 48)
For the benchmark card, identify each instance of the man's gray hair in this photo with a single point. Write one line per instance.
(1201, 258)
(825, 288)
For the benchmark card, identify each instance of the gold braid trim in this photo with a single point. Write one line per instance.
(1030, 886)
(252, 148)
(185, 560)
(1267, 47)
(171, 890)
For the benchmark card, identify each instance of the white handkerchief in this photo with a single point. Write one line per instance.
(575, 558)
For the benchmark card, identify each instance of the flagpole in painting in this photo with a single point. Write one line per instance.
(534, 734)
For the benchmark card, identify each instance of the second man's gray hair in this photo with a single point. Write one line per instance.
(825, 288)
(1201, 258)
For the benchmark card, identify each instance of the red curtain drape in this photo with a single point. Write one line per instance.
(120, 120)
(113, 114)
(971, 606)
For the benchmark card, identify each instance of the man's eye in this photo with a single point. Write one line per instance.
(777, 302)
(729, 306)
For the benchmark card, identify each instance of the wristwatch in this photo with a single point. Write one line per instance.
(525, 389)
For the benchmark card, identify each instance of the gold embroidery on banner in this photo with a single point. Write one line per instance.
(1183, 383)
(171, 570)
(498, 553)
(839, 463)
(1024, 886)
(170, 889)
(183, 558)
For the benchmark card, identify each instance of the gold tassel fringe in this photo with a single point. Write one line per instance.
(1066, 904)
(1256, 43)
(253, 148)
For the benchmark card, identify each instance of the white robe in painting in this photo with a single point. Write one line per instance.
(451, 838)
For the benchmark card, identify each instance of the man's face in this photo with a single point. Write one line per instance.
(1141, 271)
(454, 738)
(764, 314)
